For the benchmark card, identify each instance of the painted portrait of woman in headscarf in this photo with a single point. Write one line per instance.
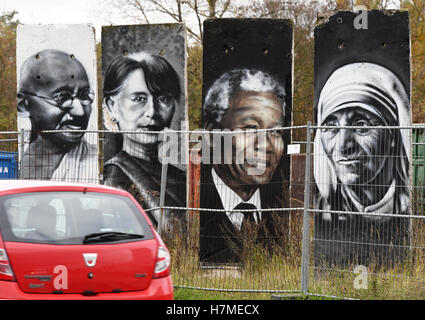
(361, 169)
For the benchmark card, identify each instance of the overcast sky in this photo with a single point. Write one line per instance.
(64, 11)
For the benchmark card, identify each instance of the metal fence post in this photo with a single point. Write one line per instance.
(21, 153)
(164, 173)
(305, 263)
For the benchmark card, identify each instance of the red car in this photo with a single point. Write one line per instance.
(78, 241)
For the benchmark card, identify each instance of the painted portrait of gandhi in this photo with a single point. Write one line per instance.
(55, 94)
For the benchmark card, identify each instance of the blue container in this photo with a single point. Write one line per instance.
(8, 165)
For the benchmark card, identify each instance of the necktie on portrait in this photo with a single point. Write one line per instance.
(248, 218)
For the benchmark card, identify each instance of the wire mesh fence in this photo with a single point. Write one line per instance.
(366, 239)
(342, 217)
(254, 247)
(59, 155)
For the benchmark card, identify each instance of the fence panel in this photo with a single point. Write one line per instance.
(368, 234)
(51, 159)
(269, 261)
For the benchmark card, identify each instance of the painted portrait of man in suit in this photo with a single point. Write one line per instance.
(242, 101)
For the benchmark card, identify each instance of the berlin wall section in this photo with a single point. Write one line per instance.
(57, 90)
(145, 93)
(247, 84)
(362, 78)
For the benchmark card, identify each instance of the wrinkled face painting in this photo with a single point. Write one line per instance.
(50, 111)
(138, 109)
(251, 110)
(360, 154)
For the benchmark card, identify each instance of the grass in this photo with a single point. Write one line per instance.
(191, 294)
(281, 270)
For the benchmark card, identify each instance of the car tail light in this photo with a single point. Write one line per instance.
(163, 258)
(6, 272)
(162, 267)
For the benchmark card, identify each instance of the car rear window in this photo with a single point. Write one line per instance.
(68, 217)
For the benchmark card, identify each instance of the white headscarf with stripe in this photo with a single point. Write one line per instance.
(370, 87)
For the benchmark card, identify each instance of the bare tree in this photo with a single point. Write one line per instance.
(191, 12)
(304, 15)
(194, 12)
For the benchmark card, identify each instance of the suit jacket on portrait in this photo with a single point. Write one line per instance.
(220, 240)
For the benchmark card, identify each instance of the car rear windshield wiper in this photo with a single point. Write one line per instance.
(110, 236)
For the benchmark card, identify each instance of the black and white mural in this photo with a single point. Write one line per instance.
(144, 94)
(362, 80)
(247, 85)
(57, 91)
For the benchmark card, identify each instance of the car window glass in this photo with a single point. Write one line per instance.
(60, 214)
(67, 217)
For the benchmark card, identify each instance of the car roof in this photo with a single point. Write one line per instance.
(7, 186)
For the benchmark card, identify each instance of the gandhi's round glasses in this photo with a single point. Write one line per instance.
(64, 99)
